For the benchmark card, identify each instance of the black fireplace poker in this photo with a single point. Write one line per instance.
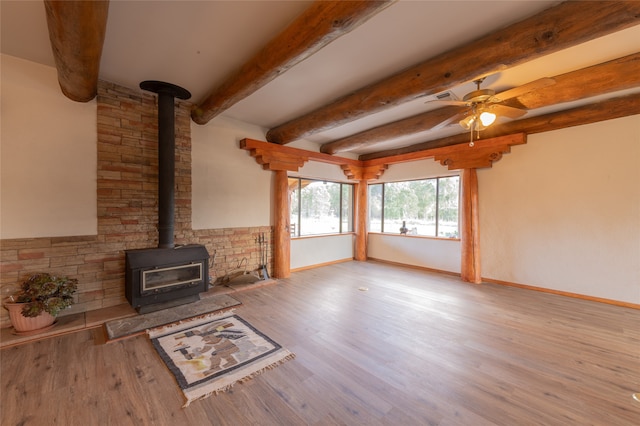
(166, 155)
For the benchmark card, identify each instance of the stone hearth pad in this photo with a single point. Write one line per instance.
(130, 326)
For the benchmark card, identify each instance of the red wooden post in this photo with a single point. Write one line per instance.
(281, 232)
(470, 228)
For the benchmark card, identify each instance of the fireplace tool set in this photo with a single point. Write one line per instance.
(240, 269)
(263, 247)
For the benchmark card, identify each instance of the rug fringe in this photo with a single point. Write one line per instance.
(168, 327)
(208, 394)
(228, 387)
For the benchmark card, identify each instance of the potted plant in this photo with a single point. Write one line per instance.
(40, 298)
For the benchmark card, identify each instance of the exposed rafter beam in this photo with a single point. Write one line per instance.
(612, 76)
(76, 32)
(319, 25)
(411, 125)
(554, 29)
(622, 106)
(592, 113)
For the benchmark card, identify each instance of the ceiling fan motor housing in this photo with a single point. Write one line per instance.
(478, 96)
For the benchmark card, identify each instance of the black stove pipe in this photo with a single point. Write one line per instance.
(166, 155)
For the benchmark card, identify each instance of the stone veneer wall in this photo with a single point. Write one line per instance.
(127, 209)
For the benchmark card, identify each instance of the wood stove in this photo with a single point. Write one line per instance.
(158, 278)
(169, 275)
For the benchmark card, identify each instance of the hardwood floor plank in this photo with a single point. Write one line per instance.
(375, 344)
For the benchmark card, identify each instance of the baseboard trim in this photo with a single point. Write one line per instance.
(319, 265)
(564, 293)
(421, 268)
(523, 286)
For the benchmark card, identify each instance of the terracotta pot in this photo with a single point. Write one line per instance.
(24, 324)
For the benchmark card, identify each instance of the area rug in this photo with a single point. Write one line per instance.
(208, 355)
(138, 324)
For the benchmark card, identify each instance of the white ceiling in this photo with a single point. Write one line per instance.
(197, 44)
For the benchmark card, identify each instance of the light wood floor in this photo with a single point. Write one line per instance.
(416, 348)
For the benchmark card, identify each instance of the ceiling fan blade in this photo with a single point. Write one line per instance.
(445, 102)
(507, 111)
(453, 119)
(525, 88)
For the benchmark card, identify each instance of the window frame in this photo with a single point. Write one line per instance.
(295, 233)
(436, 206)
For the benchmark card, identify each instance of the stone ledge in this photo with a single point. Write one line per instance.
(96, 318)
(68, 324)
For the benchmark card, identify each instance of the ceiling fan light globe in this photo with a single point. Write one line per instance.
(487, 118)
(467, 122)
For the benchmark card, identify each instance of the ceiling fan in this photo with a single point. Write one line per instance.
(485, 105)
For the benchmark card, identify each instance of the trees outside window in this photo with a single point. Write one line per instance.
(376, 193)
(320, 207)
(427, 207)
(448, 207)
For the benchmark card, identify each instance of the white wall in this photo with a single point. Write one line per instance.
(230, 190)
(563, 211)
(317, 170)
(48, 156)
(318, 250)
(432, 253)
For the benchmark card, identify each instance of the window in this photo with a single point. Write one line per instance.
(427, 207)
(320, 207)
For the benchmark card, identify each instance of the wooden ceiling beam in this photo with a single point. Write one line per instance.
(600, 111)
(76, 32)
(619, 74)
(612, 76)
(560, 27)
(319, 25)
(408, 126)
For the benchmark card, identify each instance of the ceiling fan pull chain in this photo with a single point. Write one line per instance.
(471, 133)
